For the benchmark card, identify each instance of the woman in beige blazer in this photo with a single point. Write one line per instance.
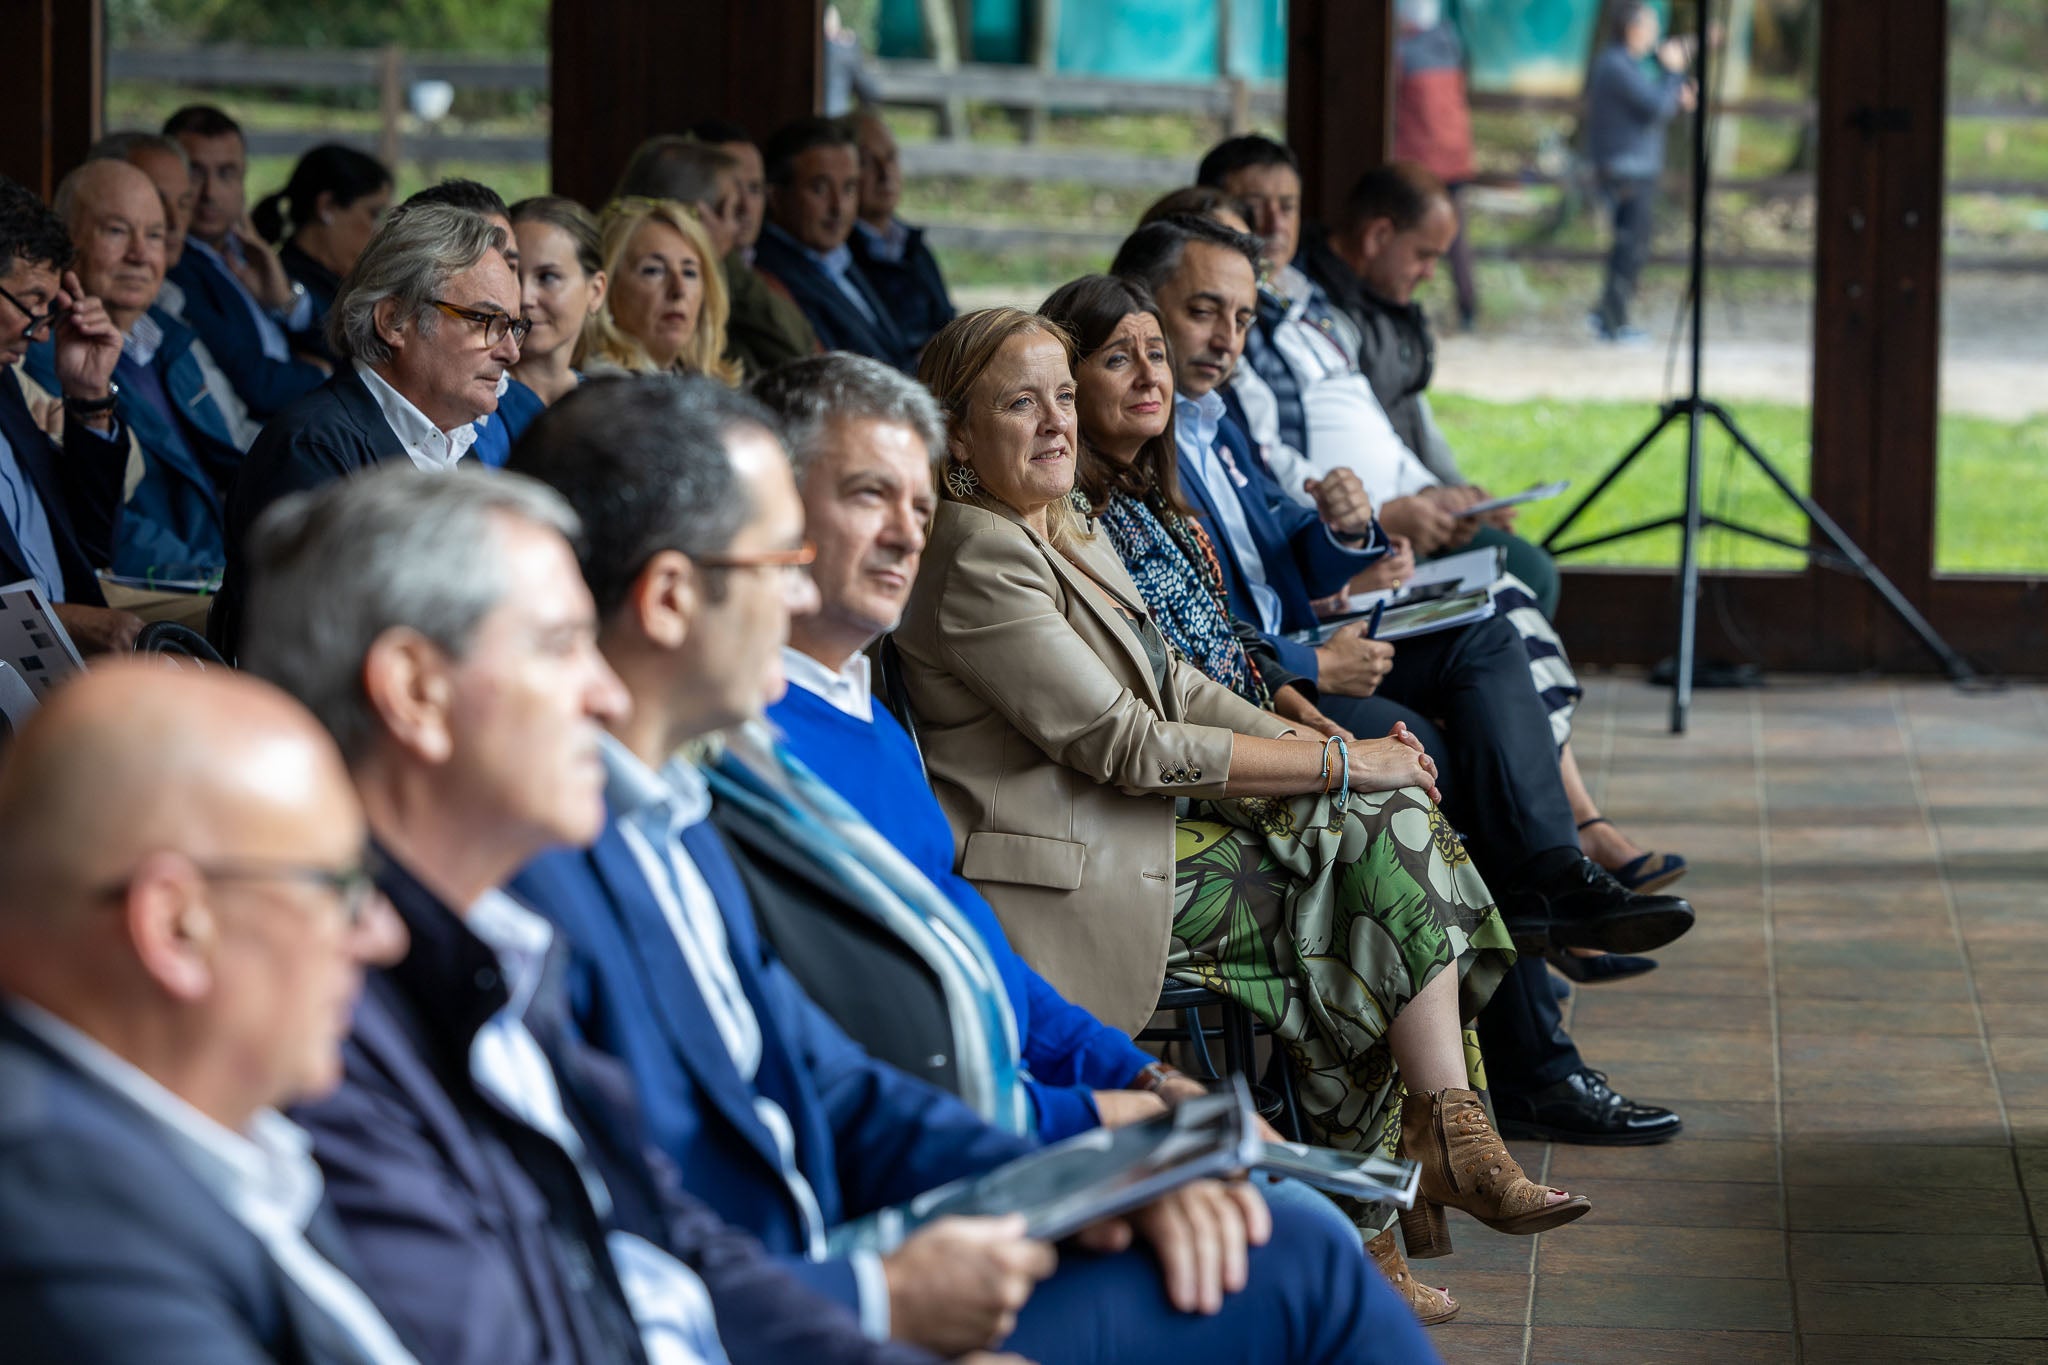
(1062, 735)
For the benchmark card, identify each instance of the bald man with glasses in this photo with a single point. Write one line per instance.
(185, 920)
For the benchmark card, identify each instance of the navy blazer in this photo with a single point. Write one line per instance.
(216, 307)
(80, 493)
(111, 1249)
(478, 1232)
(1301, 560)
(332, 432)
(867, 1135)
(172, 525)
(840, 326)
(912, 287)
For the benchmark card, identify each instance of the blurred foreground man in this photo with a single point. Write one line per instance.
(184, 923)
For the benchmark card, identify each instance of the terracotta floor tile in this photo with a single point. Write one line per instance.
(1862, 1208)
(1677, 1015)
(1689, 1158)
(1874, 1166)
(1857, 983)
(1590, 1247)
(1975, 1125)
(1485, 1298)
(1678, 1303)
(1985, 1310)
(1914, 1350)
(1868, 1053)
(1887, 1258)
(1634, 1346)
(1477, 1344)
(1910, 1088)
(1680, 1203)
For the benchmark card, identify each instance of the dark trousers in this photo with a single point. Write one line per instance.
(1521, 1032)
(1497, 768)
(1312, 1300)
(1526, 560)
(1632, 203)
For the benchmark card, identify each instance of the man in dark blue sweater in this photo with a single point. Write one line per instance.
(1627, 108)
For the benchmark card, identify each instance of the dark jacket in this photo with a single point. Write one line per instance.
(218, 310)
(912, 287)
(322, 285)
(839, 324)
(765, 329)
(332, 432)
(1627, 107)
(112, 1250)
(172, 522)
(478, 1231)
(866, 1135)
(1302, 562)
(80, 489)
(1396, 353)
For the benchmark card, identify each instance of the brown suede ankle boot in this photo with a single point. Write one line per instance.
(1466, 1165)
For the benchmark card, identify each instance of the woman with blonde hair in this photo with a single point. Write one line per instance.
(1130, 819)
(666, 307)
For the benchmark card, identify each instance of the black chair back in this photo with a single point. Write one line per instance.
(168, 637)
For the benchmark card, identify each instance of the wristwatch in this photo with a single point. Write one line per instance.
(94, 407)
(1154, 1077)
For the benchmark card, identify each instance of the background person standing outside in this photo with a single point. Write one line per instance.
(1627, 108)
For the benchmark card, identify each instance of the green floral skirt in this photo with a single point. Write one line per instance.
(1324, 921)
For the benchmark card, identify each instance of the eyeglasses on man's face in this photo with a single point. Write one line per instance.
(36, 322)
(497, 326)
(354, 888)
(795, 562)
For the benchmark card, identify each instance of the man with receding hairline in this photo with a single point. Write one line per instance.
(184, 922)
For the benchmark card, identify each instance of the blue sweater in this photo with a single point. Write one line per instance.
(1067, 1051)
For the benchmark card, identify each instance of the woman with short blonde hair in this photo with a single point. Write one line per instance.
(667, 304)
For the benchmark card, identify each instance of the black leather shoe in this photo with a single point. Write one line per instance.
(1588, 971)
(1581, 905)
(1582, 1108)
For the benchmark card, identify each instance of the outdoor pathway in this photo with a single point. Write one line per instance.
(1856, 1033)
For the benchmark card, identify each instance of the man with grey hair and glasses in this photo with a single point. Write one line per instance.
(489, 1168)
(424, 328)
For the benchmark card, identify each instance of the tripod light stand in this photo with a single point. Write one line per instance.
(1839, 552)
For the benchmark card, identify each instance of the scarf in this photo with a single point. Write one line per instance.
(1175, 568)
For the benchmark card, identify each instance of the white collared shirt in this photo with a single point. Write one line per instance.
(849, 690)
(652, 811)
(265, 1178)
(670, 1306)
(1195, 424)
(426, 445)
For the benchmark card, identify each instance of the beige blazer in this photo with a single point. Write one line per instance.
(1054, 753)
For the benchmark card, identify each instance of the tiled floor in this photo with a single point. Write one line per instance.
(1856, 1032)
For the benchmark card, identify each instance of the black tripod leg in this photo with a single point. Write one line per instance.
(1620, 466)
(1955, 665)
(1688, 576)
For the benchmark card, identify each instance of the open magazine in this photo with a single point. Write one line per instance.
(1110, 1171)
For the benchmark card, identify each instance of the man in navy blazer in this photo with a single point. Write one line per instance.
(813, 203)
(1502, 786)
(226, 264)
(58, 508)
(771, 1113)
(184, 922)
(489, 1168)
(425, 330)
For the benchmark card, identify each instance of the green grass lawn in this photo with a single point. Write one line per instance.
(1991, 504)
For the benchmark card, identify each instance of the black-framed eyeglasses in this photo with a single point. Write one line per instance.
(353, 888)
(497, 326)
(36, 321)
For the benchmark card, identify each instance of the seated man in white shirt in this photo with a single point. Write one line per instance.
(425, 328)
(184, 922)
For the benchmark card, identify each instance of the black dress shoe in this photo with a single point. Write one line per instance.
(1588, 971)
(1582, 1108)
(1581, 905)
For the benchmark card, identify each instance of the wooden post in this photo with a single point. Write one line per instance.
(1340, 93)
(944, 36)
(624, 70)
(391, 106)
(52, 88)
(1045, 56)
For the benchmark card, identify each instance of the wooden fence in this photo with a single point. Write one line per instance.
(1234, 104)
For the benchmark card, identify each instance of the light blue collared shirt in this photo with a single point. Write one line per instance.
(838, 264)
(1194, 431)
(22, 508)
